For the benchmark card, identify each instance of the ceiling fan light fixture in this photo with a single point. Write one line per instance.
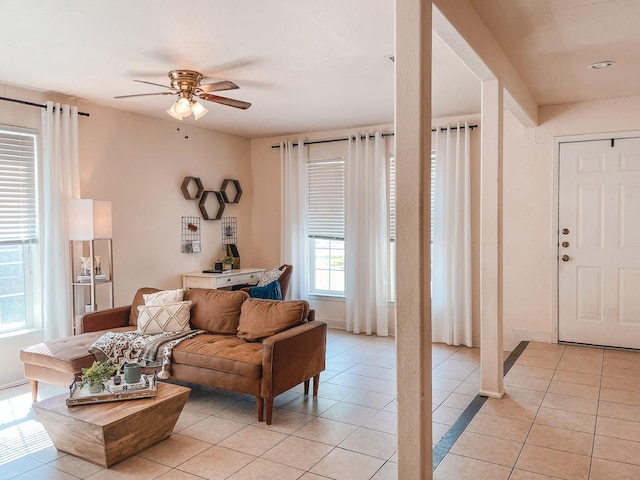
(172, 112)
(186, 84)
(198, 110)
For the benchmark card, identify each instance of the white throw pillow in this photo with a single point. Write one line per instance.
(170, 317)
(163, 297)
(270, 276)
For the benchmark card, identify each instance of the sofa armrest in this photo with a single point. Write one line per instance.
(106, 319)
(293, 356)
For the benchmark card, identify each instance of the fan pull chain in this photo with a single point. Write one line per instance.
(186, 129)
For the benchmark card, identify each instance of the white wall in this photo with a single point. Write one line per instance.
(530, 209)
(139, 163)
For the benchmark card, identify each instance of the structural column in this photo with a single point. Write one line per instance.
(413, 270)
(491, 361)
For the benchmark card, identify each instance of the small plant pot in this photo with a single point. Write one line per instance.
(96, 388)
(227, 266)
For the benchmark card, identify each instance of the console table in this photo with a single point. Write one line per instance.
(227, 279)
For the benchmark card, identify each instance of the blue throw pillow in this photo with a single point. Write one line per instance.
(270, 291)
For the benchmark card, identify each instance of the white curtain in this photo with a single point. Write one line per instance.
(60, 183)
(366, 236)
(294, 244)
(451, 253)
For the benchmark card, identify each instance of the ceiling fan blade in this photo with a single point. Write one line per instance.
(144, 94)
(218, 86)
(151, 83)
(225, 101)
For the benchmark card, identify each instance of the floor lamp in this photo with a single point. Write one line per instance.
(90, 220)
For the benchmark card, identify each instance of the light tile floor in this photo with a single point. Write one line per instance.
(348, 432)
(570, 413)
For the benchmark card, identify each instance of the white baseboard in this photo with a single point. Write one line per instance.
(338, 325)
(484, 393)
(518, 336)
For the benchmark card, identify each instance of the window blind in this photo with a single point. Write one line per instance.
(18, 187)
(326, 199)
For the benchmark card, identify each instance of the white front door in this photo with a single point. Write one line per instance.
(599, 243)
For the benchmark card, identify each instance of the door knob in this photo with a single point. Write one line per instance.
(565, 258)
(565, 231)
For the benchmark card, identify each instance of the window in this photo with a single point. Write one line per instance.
(18, 225)
(325, 225)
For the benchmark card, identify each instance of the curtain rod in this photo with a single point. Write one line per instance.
(363, 137)
(24, 102)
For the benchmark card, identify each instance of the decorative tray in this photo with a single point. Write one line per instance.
(145, 388)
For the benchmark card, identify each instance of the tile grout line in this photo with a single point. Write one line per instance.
(448, 439)
(524, 443)
(595, 427)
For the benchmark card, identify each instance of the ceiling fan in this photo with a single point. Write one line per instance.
(186, 85)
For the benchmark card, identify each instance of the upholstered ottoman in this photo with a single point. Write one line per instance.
(58, 361)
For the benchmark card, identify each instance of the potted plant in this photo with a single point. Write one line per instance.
(95, 376)
(227, 263)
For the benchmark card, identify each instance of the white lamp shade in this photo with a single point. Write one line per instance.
(182, 107)
(173, 113)
(89, 219)
(198, 110)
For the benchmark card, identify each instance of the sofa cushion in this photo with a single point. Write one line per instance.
(270, 276)
(170, 317)
(216, 311)
(262, 318)
(164, 296)
(138, 300)
(226, 353)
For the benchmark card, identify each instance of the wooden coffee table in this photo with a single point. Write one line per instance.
(107, 433)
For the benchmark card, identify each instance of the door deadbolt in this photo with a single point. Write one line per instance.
(565, 231)
(565, 244)
(565, 258)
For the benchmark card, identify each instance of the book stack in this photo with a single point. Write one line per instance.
(87, 278)
(128, 387)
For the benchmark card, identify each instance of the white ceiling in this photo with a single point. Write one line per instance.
(551, 42)
(304, 65)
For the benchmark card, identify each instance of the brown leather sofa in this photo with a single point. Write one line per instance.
(258, 347)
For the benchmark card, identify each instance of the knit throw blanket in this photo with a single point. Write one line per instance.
(147, 350)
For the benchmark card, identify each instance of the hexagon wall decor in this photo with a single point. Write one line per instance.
(202, 204)
(186, 185)
(223, 190)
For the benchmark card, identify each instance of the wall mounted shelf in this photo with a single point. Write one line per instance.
(186, 188)
(190, 183)
(203, 205)
(223, 189)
